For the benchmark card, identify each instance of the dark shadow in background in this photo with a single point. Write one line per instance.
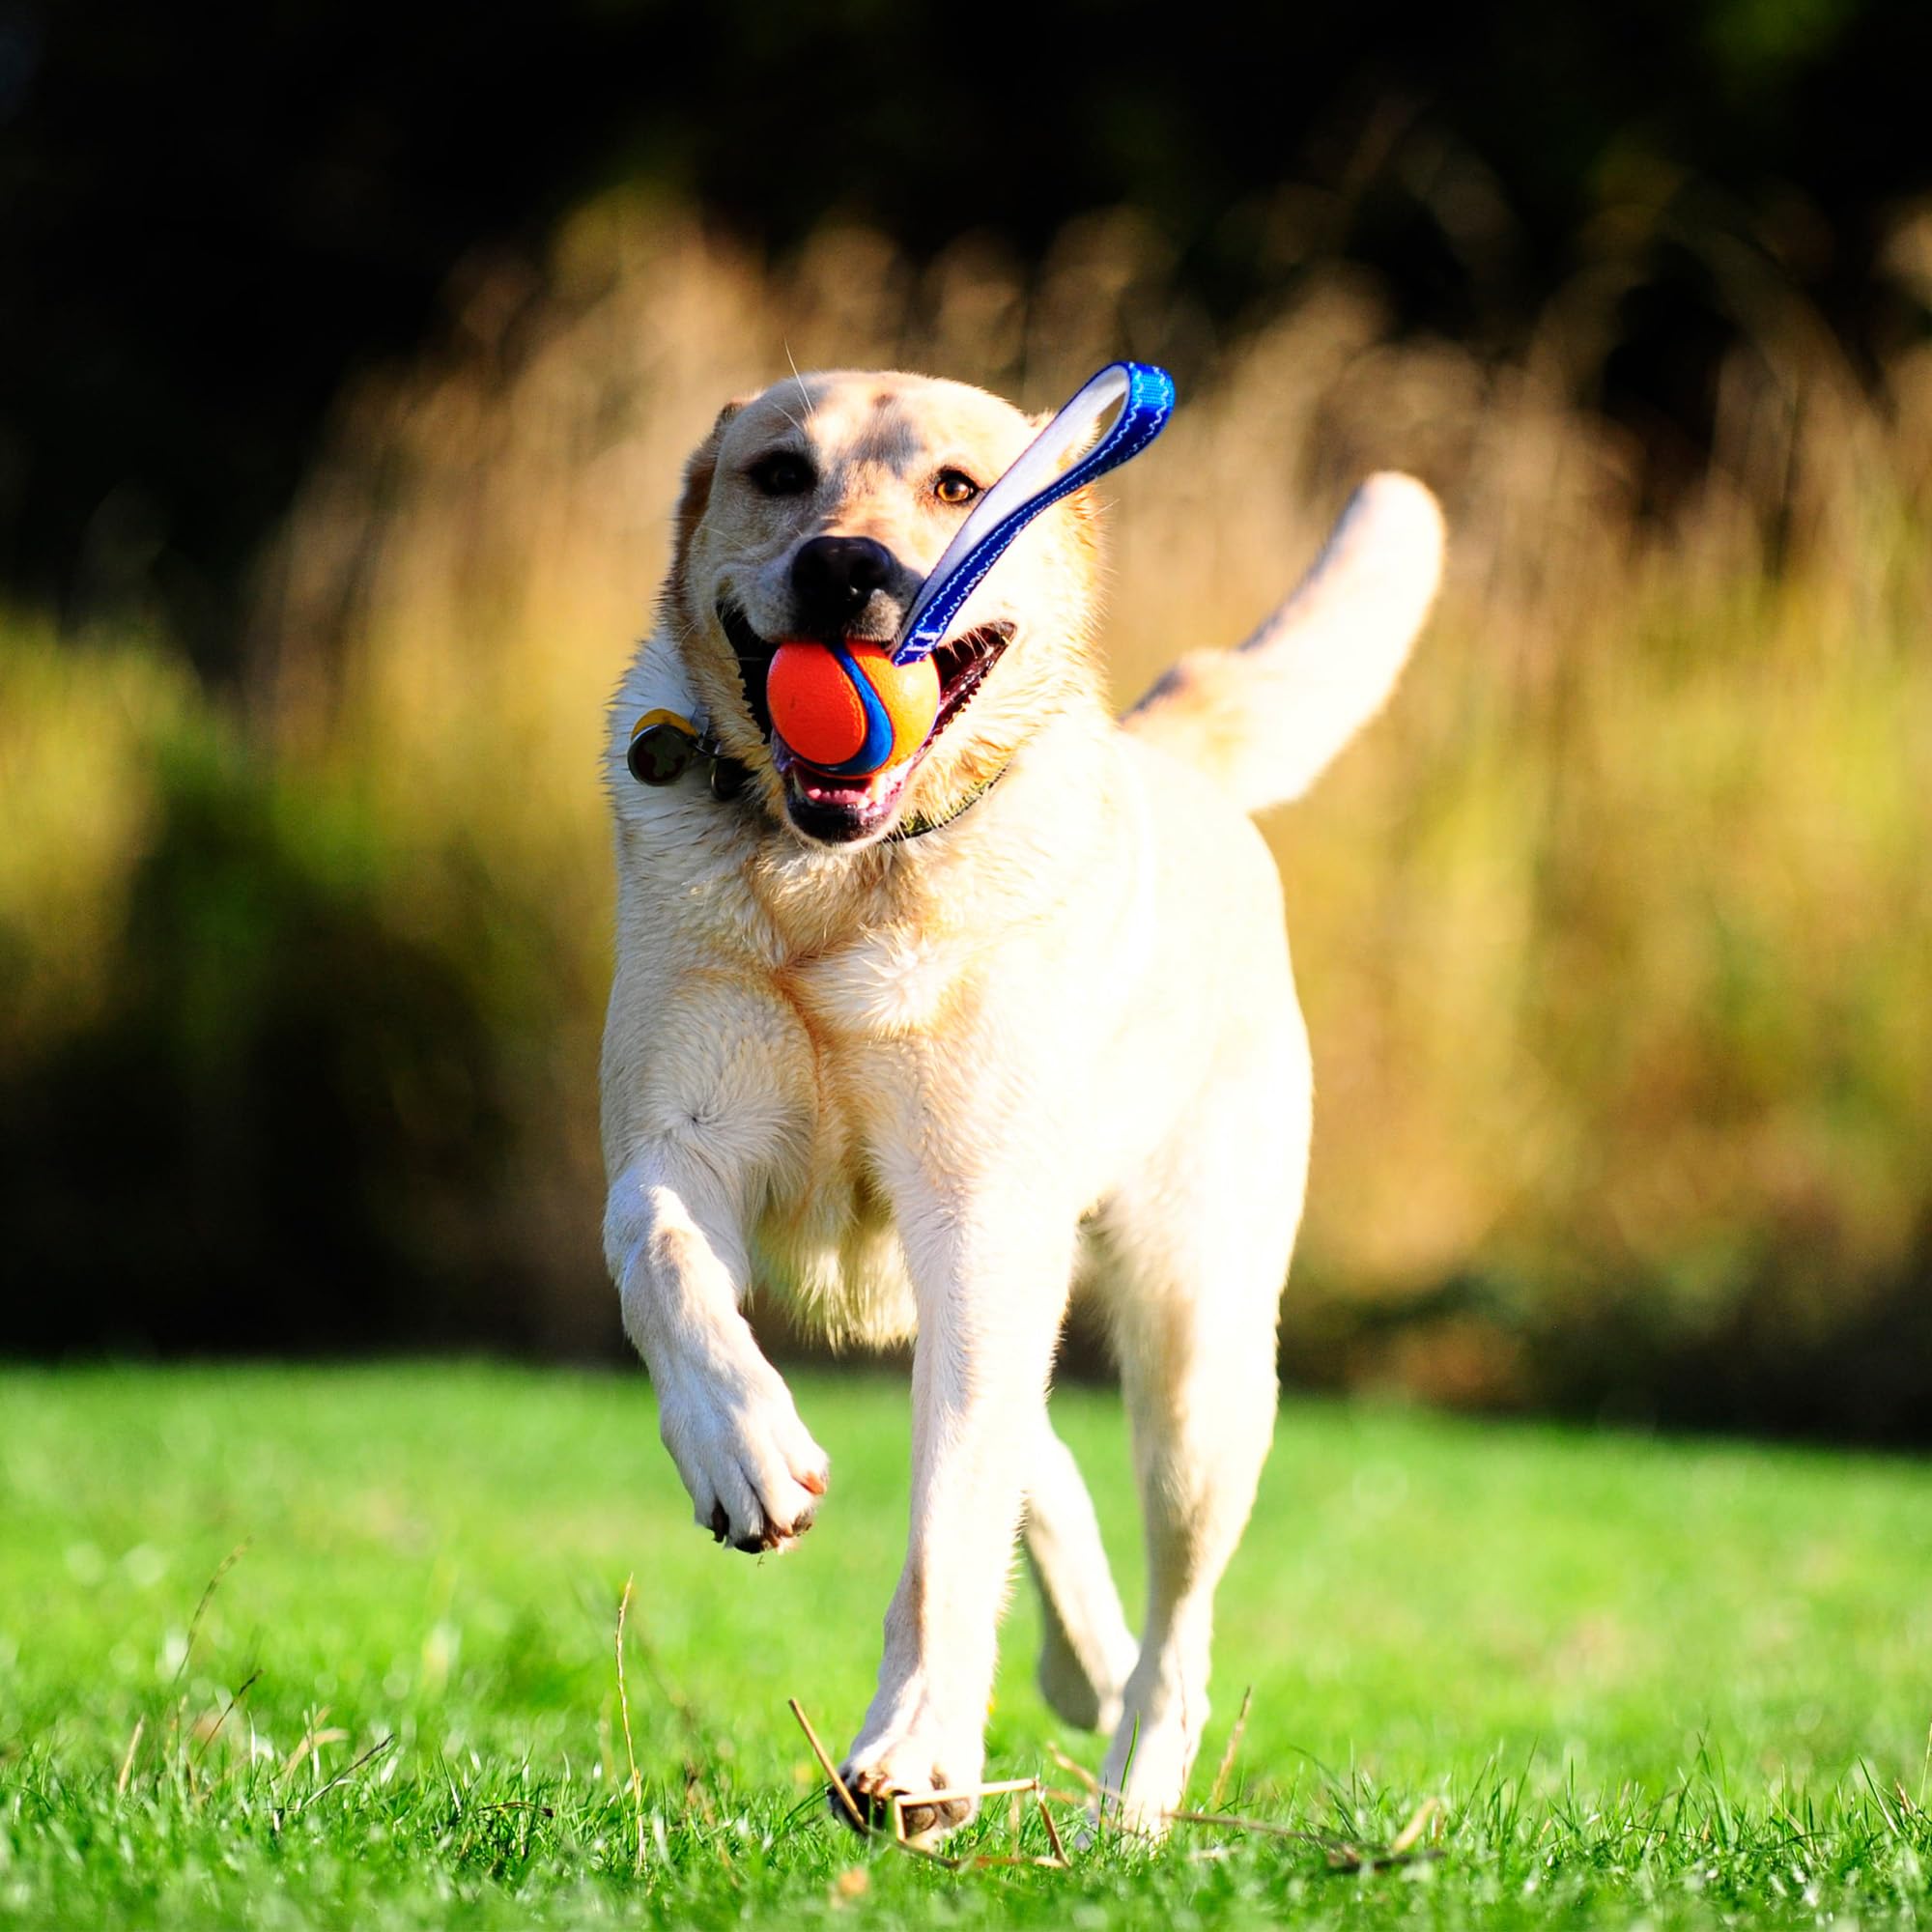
(281, 1133)
(213, 213)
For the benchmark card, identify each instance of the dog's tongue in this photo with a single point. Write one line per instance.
(824, 789)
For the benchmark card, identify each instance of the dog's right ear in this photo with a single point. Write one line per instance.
(699, 472)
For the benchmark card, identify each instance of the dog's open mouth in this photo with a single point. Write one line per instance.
(838, 811)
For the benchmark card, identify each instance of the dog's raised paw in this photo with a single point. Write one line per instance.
(755, 1474)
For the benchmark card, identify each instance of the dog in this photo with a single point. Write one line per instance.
(918, 1052)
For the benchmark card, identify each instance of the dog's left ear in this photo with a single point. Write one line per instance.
(698, 471)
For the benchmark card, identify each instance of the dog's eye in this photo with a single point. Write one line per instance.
(781, 473)
(955, 487)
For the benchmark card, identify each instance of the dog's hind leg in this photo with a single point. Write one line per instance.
(1200, 1253)
(1086, 1649)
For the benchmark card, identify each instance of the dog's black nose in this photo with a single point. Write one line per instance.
(833, 577)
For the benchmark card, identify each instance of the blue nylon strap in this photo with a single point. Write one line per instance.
(1040, 475)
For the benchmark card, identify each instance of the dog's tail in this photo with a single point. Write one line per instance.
(1266, 719)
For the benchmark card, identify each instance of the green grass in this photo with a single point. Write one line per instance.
(1681, 1684)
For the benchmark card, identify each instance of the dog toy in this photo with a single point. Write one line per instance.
(1044, 471)
(851, 710)
(848, 710)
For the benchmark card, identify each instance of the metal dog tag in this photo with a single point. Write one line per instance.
(662, 747)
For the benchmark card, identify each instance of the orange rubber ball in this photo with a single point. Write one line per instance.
(846, 709)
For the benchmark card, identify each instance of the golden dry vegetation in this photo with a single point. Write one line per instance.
(1614, 932)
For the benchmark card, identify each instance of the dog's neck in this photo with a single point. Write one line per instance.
(1044, 789)
(1049, 801)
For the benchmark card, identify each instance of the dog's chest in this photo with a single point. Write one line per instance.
(870, 1009)
(864, 960)
(824, 1243)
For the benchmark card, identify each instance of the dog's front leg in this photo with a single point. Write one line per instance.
(990, 1271)
(672, 1235)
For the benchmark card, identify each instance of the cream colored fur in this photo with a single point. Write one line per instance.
(916, 1086)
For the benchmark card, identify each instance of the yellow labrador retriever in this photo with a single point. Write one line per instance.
(915, 1051)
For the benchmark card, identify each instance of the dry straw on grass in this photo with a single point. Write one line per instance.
(1342, 1855)
(635, 1785)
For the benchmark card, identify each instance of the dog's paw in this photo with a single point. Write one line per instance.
(755, 1474)
(1144, 1777)
(1069, 1690)
(933, 1803)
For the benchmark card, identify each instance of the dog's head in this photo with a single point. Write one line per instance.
(816, 511)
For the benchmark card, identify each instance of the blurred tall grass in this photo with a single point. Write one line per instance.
(1614, 932)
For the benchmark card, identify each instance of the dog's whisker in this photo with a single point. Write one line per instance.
(811, 408)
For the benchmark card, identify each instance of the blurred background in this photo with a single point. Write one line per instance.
(351, 353)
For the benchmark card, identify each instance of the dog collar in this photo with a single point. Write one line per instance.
(1044, 471)
(665, 745)
(919, 824)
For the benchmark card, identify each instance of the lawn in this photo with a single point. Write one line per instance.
(1669, 1682)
